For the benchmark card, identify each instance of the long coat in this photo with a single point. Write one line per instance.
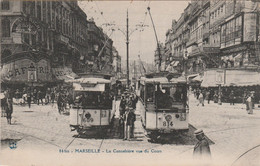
(202, 150)
(9, 110)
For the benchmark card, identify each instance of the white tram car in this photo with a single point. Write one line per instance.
(165, 104)
(96, 110)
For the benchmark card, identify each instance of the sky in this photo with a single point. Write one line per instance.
(142, 41)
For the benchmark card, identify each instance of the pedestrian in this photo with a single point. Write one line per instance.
(29, 98)
(215, 97)
(232, 98)
(201, 99)
(122, 107)
(130, 124)
(132, 107)
(17, 96)
(52, 97)
(244, 97)
(201, 150)
(39, 97)
(207, 96)
(3, 106)
(59, 102)
(24, 98)
(48, 96)
(9, 110)
(197, 94)
(250, 104)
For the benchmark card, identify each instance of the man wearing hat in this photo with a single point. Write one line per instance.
(122, 109)
(201, 149)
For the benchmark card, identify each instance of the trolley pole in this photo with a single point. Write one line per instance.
(158, 45)
(127, 50)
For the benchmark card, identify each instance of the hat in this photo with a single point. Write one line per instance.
(198, 132)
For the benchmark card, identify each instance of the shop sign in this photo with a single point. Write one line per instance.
(32, 74)
(20, 71)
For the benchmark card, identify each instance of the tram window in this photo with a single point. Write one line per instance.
(167, 97)
(150, 90)
(93, 99)
(142, 92)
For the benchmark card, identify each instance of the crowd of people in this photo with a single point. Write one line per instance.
(39, 96)
(127, 115)
(248, 97)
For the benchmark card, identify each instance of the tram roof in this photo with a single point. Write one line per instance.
(163, 80)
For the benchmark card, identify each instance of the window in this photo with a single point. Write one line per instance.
(33, 39)
(5, 27)
(169, 97)
(32, 8)
(5, 5)
(44, 11)
(39, 14)
(150, 92)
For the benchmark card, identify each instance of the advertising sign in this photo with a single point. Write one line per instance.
(220, 77)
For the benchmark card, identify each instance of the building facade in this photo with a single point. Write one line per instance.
(116, 63)
(215, 34)
(54, 37)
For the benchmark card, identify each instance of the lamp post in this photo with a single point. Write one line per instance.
(127, 35)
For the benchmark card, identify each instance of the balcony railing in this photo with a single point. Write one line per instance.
(204, 49)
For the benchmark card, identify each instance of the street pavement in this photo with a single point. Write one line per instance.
(43, 137)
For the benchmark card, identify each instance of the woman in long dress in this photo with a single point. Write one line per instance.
(250, 104)
(9, 110)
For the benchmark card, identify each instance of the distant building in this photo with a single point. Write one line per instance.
(160, 58)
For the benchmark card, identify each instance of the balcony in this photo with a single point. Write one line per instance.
(204, 49)
(191, 41)
(205, 34)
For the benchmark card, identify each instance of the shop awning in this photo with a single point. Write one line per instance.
(198, 78)
(174, 63)
(66, 74)
(232, 78)
(242, 78)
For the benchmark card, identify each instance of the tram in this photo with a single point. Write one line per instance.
(165, 104)
(93, 107)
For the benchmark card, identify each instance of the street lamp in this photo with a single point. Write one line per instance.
(127, 35)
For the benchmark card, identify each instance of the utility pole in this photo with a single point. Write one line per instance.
(127, 50)
(158, 45)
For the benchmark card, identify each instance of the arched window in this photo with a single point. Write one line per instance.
(5, 5)
(5, 27)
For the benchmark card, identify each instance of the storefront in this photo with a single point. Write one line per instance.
(26, 69)
(242, 55)
(241, 82)
(64, 74)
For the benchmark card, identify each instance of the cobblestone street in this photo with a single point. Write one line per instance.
(39, 128)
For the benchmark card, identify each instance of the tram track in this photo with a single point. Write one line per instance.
(246, 152)
(29, 135)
